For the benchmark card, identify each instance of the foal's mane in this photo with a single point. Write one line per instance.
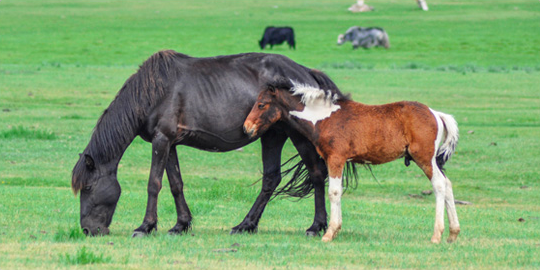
(119, 123)
(309, 94)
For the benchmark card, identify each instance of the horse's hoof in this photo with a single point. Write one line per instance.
(175, 232)
(241, 230)
(138, 234)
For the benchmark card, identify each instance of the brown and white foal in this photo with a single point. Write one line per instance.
(343, 130)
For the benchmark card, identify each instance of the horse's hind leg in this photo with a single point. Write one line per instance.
(317, 174)
(451, 212)
(184, 218)
(272, 143)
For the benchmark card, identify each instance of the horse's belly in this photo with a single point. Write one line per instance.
(213, 142)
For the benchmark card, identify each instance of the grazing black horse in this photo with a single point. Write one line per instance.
(174, 99)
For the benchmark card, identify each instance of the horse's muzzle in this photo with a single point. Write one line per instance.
(96, 231)
(249, 130)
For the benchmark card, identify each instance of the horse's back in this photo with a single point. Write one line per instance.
(208, 99)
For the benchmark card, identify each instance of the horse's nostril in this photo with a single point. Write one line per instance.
(86, 231)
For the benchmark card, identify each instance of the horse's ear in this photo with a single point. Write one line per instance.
(89, 162)
(272, 89)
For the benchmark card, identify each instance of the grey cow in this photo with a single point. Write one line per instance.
(365, 37)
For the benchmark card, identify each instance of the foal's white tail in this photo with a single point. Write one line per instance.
(450, 138)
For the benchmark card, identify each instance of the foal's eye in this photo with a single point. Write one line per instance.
(261, 106)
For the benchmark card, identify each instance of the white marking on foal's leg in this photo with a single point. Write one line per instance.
(335, 189)
(451, 212)
(439, 187)
(438, 181)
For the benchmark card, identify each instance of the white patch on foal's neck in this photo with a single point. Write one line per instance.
(318, 104)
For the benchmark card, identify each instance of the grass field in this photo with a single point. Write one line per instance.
(62, 62)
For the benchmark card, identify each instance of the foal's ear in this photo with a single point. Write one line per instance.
(89, 162)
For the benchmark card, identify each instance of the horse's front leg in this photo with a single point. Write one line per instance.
(272, 143)
(184, 218)
(335, 190)
(317, 174)
(160, 153)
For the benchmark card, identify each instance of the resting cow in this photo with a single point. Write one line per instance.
(277, 35)
(365, 37)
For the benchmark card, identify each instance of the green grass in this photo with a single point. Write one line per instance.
(83, 256)
(62, 62)
(19, 132)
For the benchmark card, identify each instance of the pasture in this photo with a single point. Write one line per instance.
(63, 61)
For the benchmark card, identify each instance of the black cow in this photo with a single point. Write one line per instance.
(277, 35)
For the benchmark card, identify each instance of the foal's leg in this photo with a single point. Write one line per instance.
(335, 189)
(184, 218)
(438, 181)
(272, 144)
(317, 174)
(160, 153)
(426, 160)
(451, 212)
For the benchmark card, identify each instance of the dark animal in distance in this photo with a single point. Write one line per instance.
(174, 99)
(368, 134)
(365, 37)
(277, 35)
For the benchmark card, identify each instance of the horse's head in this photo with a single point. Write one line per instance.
(271, 106)
(99, 194)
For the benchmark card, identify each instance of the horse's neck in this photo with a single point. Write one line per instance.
(114, 132)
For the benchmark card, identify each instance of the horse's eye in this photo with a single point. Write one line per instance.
(261, 106)
(87, 188)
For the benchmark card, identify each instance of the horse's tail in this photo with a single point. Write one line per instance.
(451, 136)
(301, 184)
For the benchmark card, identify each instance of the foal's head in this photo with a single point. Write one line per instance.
(271, 106)
(283, 99)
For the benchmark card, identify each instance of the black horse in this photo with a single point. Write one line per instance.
(174, 99)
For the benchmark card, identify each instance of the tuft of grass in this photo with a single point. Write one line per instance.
(72, 234)
(83, 257)
(20, 132)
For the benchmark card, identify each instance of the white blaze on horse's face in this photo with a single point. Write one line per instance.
(318, 105)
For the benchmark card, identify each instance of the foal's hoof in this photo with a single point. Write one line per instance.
(137, 234)
(327, 239)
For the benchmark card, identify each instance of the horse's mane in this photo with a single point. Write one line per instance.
(119, 123)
